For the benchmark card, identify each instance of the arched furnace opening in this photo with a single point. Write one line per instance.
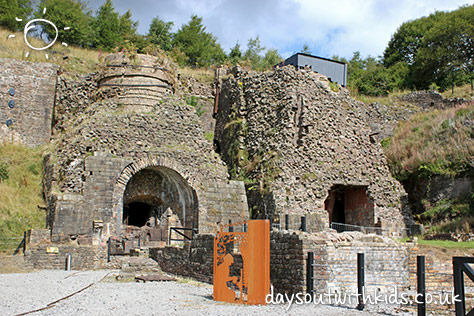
(155, 192)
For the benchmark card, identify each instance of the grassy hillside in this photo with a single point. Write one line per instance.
(69, 58)
(463, 91)
(438, 142)
(434, 142)
(20, 191)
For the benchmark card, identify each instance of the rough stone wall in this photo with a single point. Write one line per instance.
(335, 262)
(439, 279)
(82, 257)
(293, 139)
(386, 262)
(223, 203)
(432, 100)
(194, 260)
(122, 128)
(427, 192)
(424, 99)
(287, 263)
(73, 96)
(30, 109)
(383, 119)
(73, 214)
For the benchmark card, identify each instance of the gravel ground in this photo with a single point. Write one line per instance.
(25, 292)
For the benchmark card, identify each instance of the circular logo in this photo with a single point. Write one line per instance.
(29, 26)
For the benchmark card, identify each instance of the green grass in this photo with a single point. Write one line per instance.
(334, 86)
(463, 91)
(442, 243)
(446, 244)
(20, 192)
(209, 136)
(205, 75)
(393, 99)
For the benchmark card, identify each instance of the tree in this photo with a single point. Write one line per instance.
(437, 49)
(306, 49)
(406, 41)
(271, 59)
(67, 13)
(107, 27)
(368, 76)
(447, 54)
(12, 9)
(112, 29)
(235, 54)
(127, 27)
(253, 52)
(200, 47)
(160, 33)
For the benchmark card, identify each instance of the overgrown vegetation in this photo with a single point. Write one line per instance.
(455, 215)
(20, 191)
(198, 106)
(436, 142)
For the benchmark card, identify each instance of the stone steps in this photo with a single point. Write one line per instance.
(138, 264)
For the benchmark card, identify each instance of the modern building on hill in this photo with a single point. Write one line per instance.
(335, 70)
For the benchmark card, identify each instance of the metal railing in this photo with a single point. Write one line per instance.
(178, 230)
(339, 227)
(13, 243)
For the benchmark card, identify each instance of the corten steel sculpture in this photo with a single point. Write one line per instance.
(253, 279)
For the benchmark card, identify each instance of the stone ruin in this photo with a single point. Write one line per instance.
(306, 150)
(132, 160)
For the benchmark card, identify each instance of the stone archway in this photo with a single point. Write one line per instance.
(152, 191)
(147, 188)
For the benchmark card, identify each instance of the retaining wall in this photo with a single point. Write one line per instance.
(27, 93)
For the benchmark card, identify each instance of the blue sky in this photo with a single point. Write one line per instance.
(330, 27)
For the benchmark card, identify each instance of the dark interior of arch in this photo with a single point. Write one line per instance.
(350, 204)
(152, 191)
(137, 213)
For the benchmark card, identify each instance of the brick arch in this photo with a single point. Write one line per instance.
(133, 168)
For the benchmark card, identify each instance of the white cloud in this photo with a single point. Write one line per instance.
(337, 27)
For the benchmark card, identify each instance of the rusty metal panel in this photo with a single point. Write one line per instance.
(253, 283)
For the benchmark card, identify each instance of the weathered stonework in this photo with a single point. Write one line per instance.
(383, 119)
(295, 140)
(427, 100)
(194, 260)
(53, 256)
(30, 108)
(133, 141)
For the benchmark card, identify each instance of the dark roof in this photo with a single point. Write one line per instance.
(317, 57)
